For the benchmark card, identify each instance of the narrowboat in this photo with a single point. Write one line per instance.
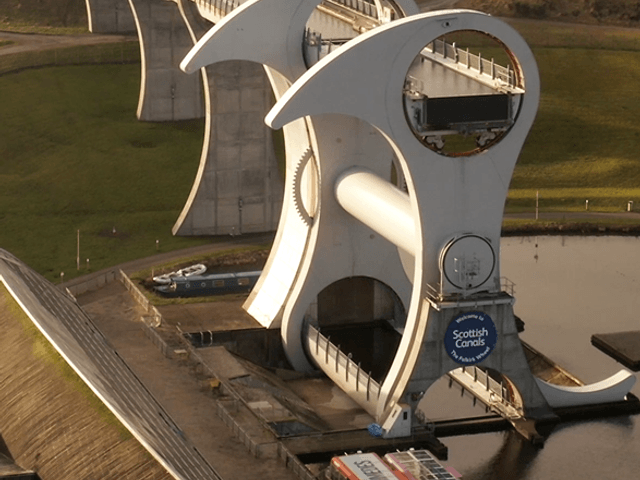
(211, 284)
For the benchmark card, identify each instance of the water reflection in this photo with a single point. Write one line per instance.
(567, 288)
(512, 460)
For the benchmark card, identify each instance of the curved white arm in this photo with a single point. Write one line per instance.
(612, 389)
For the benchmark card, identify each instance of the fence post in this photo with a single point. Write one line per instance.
(326, 352)
(346, 370)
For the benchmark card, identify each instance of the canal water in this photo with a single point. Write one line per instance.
(567, 288)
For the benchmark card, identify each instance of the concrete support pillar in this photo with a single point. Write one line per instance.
(166, 93)
(110, 16)
(238, 188)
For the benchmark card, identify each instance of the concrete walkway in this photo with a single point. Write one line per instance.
(176, 386)
(572, 216)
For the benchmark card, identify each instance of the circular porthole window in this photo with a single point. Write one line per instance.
(462, 93)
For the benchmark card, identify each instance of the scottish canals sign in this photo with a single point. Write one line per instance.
(470, 338)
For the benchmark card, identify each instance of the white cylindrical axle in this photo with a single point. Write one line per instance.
(378, 204)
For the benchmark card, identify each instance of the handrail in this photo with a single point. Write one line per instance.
(332, 357)
(224, 7)
(366, 8)
(451, 53)
(434, 293)
(498, 393)
(507, 286)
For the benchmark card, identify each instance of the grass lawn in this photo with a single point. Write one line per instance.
(586, 139)
(43, 16)
(73, 157)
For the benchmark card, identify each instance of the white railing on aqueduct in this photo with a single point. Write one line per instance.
(360, 6)
(331, 358)
(223, 7)
(482, 66)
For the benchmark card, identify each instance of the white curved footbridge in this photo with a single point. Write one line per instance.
(369, 98)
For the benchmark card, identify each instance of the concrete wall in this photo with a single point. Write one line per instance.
(110, 16)
(238, 188)
(166, 93)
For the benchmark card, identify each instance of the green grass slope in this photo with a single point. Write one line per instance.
(53, 16)
(585, 142)
(609, 12)
(73, 157)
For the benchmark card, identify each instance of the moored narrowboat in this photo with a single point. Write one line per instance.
(211, 284)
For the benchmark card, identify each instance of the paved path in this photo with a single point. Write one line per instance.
(588, 216)
(176, 387)
(26, 42)
(219, 244)
(226, 243)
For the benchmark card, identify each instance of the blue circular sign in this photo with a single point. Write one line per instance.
(470, 338)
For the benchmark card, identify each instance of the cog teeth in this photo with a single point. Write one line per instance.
(297, 194)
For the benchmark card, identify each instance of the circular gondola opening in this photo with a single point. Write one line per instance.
(462, 93)
(365, 318)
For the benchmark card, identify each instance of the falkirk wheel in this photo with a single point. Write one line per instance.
(400, 147)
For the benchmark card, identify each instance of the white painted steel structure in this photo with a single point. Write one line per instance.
(435, 244)
(350, 111)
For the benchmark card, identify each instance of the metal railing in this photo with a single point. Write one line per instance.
(330, 356)
(434, 292)
(482, 66)
(361, 6)
(491, 385)
(507, 286)
(221, 7)
(498, 395)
